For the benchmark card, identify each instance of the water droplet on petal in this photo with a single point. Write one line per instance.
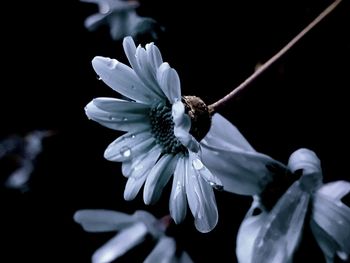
(133, 136)
(125, 151)
(125, 118)
(197, 164)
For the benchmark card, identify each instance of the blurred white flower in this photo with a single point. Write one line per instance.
(121, 17)
(25, 150)
(157, 143)
(229, 156)
(273, 236)
(132, 231)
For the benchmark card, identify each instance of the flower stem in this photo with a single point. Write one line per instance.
(235, 93)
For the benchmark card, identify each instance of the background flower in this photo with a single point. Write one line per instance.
(132, 231)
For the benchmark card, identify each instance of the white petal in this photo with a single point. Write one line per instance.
(163, 252)
(248, 232)
(332, 215)
(326, 243)
(178, 201)
(158, 178)
(129, 146)
(139, 171)
(201, 200)
(182, 126)
(120, 244)
(122, 79)
(102, 220)
(19, 177)
(118, 25)
(245, 173)
(133, 56)
(306, 160)
(281, 232)
(200, 168)
(169, 81)
(154, 56)
(185, 258)
(94, 21)
(117, 118)
(224, 135)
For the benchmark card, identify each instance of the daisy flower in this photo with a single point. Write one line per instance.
(273, 236)
(162, 133)
(132, 231)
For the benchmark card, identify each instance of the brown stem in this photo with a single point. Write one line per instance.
(235, 93)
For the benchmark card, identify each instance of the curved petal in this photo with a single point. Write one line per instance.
(158, 178)
(120, 244)
(169, 81)
(182, 126)
(201, 200)
(224, 135)
(154, 226)
(102, 220)
(248, 232)
(178, 201)
(332, 215)
(306, 160)
(139, 171)
(129, 146)
(245, 173)
(281, 232)
(122, 79)
(116, 120)
(135, 56)
(163, 252)
(118, 25)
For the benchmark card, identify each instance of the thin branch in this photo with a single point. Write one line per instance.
(235, 93)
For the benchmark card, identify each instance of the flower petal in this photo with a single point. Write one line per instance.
(281, 232)
(226, 136)
(122, 79)
(153, 225)
(102, 220)
(245, 173)
(177, 201)
(163, 252)
(169, 81)
(185, 258)
(248, 232)
(94, 21)
(201, 200)
(139, 171)
(117, 118)
(332, 215)
(129, 146)
(158, 178)
(182, 126)
(120, 244)
(148, 73)
(306, 160)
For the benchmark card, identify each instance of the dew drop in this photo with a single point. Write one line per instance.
(133, 136)
(125, 151)
(125, 118)
(218, 187)
(197, 164)
(98, 77)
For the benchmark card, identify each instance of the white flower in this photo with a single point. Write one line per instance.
(272, 236)
(121, 17)
(229, 156)
(25, 150)
(157, 143)
(132, 231)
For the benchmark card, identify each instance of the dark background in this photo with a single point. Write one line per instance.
(47, 79)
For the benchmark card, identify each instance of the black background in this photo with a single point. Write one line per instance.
(47, 79)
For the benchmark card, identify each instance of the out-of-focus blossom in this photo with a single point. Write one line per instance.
(121, 17)
(273, 236)
(25, 151)
(158, 142)
(132, 231)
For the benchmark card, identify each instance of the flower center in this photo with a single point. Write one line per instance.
(162, 128)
